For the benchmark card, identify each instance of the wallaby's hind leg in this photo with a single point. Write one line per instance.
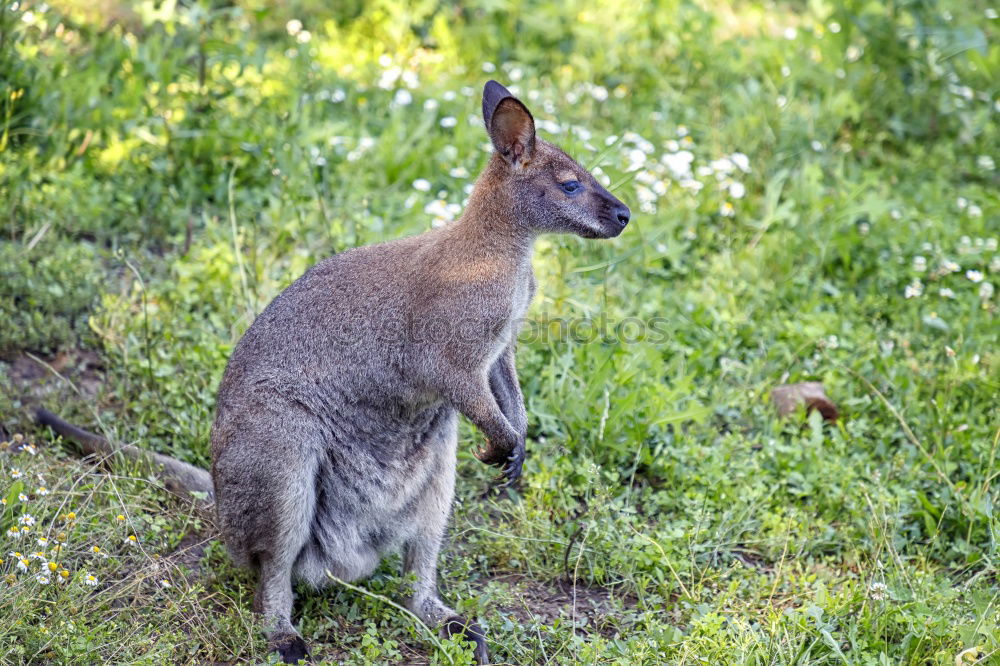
(265, 500)
(274, 601)
(420, 557)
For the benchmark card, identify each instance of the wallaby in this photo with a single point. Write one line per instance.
(334, 441)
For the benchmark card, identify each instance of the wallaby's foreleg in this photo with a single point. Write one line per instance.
(507, 390)
(274, 601)
(505, 445)
(420, 557)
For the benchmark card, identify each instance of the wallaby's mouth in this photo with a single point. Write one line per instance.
(607, 226)
(611, 221)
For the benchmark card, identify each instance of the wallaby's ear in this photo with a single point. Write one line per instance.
(509, 123)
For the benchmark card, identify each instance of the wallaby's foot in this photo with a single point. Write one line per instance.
(456, 625)
(290, 647)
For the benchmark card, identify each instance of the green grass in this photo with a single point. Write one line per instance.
(166, 170)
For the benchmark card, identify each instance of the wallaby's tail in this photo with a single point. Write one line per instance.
(178, 477)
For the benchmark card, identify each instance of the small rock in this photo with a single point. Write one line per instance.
(788, 397)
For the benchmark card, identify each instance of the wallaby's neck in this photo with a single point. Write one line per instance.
(490, 224)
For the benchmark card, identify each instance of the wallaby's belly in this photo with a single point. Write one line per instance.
(372, 496)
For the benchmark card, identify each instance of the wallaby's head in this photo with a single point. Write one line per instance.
(551, 192)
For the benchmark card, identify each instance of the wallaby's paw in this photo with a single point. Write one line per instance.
(457, 625)
(491, 455)
(291, 648)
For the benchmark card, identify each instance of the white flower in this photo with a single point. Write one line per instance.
(27, 519)
(430, 104)
(919, 263)
(961, 202)
(741, 161)
(448, 122)
(878, 591)
(422, 184)
(43, 579)
(975, 276)
(817, 146)
(722, 165)
(90, 579)
(165, 583)
(986, 163)
(304, 37)
(834, 27)
(945, 292)
(22, 497)
(489, 67)
(682, 131)
(388, 78)
(410, 79)
(15, 532)
(16, 473)
(636, 159)
(975, 211)
(727, 209)
(990, 13)
(791, 33)
(42, 490)
(679, 163)
(914, 289)
(986, 291)
(294, 27)
(737, 190)
(600, 93)
(402, 97)
(949, 266)
(459, 172)
(22, 564)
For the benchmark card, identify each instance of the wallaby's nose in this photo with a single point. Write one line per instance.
(623, 214)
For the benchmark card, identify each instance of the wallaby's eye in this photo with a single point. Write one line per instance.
(571, 186)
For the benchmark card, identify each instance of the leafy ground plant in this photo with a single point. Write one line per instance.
(815, 197)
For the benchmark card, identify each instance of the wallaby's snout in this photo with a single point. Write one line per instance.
(613, 215)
